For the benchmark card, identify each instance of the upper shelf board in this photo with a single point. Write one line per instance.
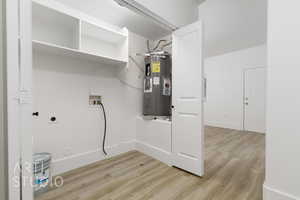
(58, 50)
(90, 26)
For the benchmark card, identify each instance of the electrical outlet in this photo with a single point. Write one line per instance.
(95, 100)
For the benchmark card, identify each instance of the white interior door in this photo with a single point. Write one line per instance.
(255, 100)
(187, 117)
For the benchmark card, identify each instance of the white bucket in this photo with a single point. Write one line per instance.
(41, 172)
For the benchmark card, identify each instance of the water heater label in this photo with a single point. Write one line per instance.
(148, 85)
(156, 67)
(167, 87)
(156, 80)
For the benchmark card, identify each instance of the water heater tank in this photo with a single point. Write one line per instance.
(157, 84)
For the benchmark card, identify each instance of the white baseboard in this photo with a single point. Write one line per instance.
(273, 194)
(154, 152)
(226, 126)
(79, 160)
(221, 125)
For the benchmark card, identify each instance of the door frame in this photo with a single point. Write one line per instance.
(12, 90)
(18, 89)
(244, 89)
(3, 131)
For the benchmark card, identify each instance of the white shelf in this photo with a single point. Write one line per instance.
(61, 30)
(54, 27)
(64, 51)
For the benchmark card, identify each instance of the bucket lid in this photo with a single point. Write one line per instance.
(40, 157)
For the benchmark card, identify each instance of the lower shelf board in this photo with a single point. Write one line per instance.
(40, 46)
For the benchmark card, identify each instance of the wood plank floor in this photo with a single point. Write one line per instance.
(234, 171)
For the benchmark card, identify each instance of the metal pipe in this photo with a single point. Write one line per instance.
(166, 45)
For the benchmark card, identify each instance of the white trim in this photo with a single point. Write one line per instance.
(12, 58)
(79, 160)
(154, 152)
(25, 96)
(3, 136)
(63, 165)
(273, 194)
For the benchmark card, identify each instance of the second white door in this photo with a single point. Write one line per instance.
(255, 100)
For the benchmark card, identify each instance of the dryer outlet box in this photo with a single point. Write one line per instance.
(95, 100)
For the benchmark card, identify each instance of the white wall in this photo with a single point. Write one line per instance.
(233, 25)
(224, 105)
(283, 104)
(153, 137)
(61, 89)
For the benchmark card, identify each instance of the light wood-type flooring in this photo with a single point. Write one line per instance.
(234, 166)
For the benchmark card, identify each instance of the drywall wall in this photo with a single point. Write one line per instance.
(61, 88)
(283, 102)
(153, 137)
(233, 25)
(3, 151)
(224, 104)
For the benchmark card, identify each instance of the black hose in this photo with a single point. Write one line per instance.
(105, 124)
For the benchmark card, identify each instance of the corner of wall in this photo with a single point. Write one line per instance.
(274, 194)
(145, 143)
(154, 152)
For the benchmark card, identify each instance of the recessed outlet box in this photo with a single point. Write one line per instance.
(95, 100)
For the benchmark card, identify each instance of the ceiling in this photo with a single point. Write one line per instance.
(231, 25)
(177, 12)
(111, 12)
